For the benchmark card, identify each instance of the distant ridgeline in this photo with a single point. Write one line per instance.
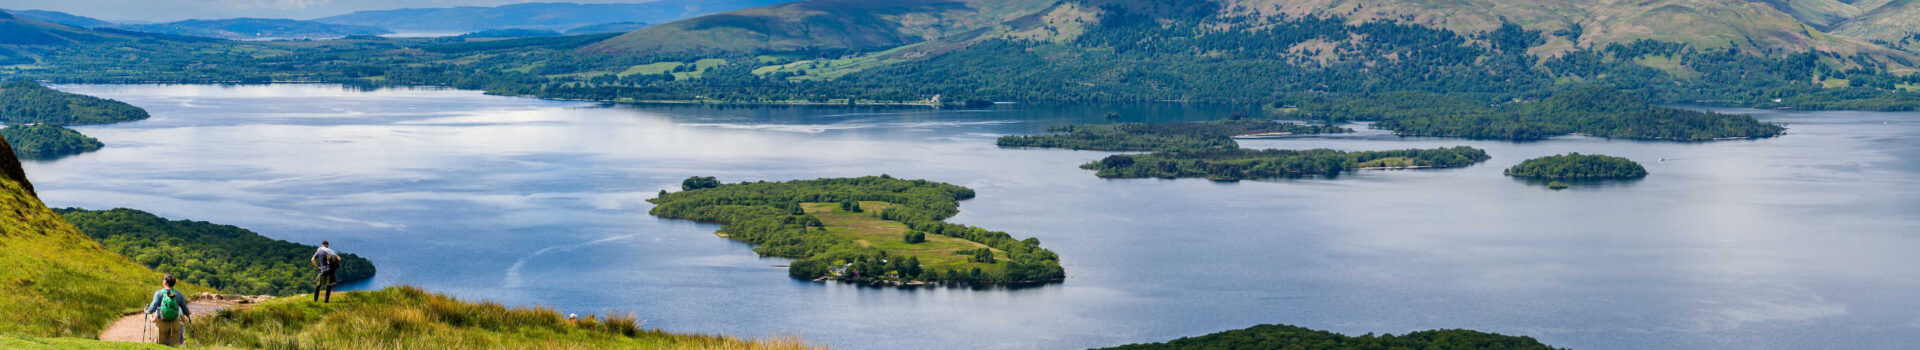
(1156, 137)
(1576, 166)
(1292, 337)
(228, 258)
(1592, 110)
(869, 230)
(48, 141)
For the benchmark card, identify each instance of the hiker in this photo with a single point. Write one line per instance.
(326, 261)
(167, 311)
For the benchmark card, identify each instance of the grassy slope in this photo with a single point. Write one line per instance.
(410, 318)
(868, 229)
(1899, 19)
(843, 24)
(57, 282)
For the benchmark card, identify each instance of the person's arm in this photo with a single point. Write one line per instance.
(181, 298)
(154, 306)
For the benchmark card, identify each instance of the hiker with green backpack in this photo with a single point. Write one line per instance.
(168, 311)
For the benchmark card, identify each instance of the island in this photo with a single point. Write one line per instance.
(27, 102)
(1217, 134)
(47, 141)
(1237, 164)
(1576, 166)
(1294, 337)
(228, 258)
(874, 230)
(1586, 110)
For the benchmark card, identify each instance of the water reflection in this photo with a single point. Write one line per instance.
(1802, 241)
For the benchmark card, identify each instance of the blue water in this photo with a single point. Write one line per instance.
(1802, 241)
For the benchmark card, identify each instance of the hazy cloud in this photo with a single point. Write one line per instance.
(173, 10)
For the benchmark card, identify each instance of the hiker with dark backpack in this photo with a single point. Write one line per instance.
(327, 262)
(168, 311)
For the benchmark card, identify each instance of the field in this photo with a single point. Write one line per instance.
(867, 229)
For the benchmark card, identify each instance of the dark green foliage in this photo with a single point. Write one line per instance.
(768, 214)
(1557, 185)
(228, 258)
(850, 206)
(1291, 337)
(1592, 110)
(47, 141)
(1158, 137)
(1576, 166)
(916, 237)
(982, 255)
(26, 102)
(1237, 164)
(696, 182)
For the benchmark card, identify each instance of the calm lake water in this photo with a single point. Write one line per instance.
(1802, 241)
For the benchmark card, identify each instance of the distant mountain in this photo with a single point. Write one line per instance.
(551, 16)
(17, 30)
(256, 28)
(61, 18)
(615, 27)
(824, 24)
(1896, 24)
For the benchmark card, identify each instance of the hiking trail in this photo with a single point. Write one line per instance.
(134, 328)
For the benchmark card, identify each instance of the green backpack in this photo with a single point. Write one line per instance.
(169, 309)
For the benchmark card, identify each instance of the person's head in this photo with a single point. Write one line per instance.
(323, 244)
(167, 280)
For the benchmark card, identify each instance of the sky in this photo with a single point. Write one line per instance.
(174, 10)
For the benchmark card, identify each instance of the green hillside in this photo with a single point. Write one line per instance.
(1896, 24)
(821, 24)
(57, 281)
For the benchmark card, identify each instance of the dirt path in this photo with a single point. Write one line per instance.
(134, 328)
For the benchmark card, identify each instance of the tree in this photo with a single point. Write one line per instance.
(696, 182)
(916, 237)
(850, 206)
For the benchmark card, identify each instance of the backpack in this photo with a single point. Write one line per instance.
(169, 309)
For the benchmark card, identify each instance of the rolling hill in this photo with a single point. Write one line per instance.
(1896, 24)
(62, 18)
(1751, 25)
(823, 24)
(256, 28)
(550, 16)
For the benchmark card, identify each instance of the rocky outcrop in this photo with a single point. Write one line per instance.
(10, 167)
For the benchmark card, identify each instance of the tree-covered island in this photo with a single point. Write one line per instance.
(27, 102)
(870, 230)
(1237, 164)
(224, 257)
(1216, 134)
(1589, 110)
(1576, 166)
(47, 141)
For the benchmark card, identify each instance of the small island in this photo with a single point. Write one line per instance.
(1141, 137)
(47, 141)
(1576, 166)
(874, 230)
(1237, 164)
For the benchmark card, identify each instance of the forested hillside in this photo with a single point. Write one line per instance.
(25, 101)
(228, 258)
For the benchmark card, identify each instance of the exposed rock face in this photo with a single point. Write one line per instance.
(10, 167)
